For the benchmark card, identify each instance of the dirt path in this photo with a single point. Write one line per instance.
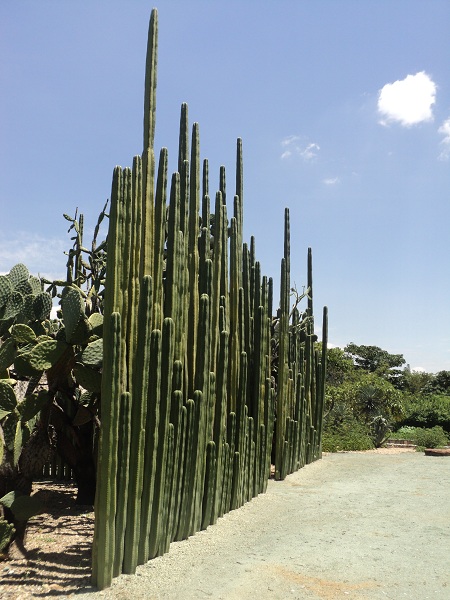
(361, 526)
(354, 525)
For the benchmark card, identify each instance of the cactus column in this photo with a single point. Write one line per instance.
(188, 405)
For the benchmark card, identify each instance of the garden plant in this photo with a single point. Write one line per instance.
(167, 383)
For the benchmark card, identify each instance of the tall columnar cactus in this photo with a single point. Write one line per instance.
(188, 400)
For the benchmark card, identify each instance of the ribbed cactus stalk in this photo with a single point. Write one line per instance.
(138, 420)
(167, 359)
(123, 477)
(188, 401)
(105, 499)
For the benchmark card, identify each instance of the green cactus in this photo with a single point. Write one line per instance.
(21, 333)
(151, 444)
(196, 370)
(123, 476)
(42, 305)
(18, 275)
(14, 306)
(8, 400)
(6, 288)
(32, 404)
(138, 420)
(92, 354)
(22, 298)
(105, 503)
(167, 354)
(6, 533)
(72, 310)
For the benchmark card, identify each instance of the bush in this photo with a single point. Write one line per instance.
(404, 433)
(349, 436)
(428, 411)
(432, 437)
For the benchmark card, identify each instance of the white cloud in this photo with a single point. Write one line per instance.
(444, 130)
(310, 151)
(289, 140)
(295, 146)
(43, 256)
(408, 101)
(331, 181)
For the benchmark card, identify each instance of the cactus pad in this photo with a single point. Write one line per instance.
(92, 355)
(27, 309)
(5, 289)
(82, 333)
(7, 353)
(22, 333)
(72, 308)
(89, 379)
(42, 305)
(8, 400)
(45, 354)
(23, 506)
(6, 533)
(9, 430)
(32, 405)
(96, 321)
(19, 274)
(14, 306)
(35, 283)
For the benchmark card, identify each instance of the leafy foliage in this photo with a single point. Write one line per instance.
(375, 360)
(427, 411)
(350, 435)
(339, 367)
(424, 437)
(438, 384)
(360, 394)
(366, 384)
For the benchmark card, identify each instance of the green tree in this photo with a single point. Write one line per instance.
(376, 360)
(427, 410)
(339, 366)
(415, 382)
(438, 384)
(370, 399)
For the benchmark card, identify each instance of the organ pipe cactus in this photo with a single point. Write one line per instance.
(188, 399)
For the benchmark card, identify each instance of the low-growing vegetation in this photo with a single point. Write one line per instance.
(372, 396)
(423, 437)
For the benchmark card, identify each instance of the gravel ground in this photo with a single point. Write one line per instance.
(353, 525)
(361, 526)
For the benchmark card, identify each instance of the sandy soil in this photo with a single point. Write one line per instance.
(362, 526)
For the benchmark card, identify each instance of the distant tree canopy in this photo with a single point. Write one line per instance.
(371, 393)
(375, 360)
(339, 366)
(440, 383)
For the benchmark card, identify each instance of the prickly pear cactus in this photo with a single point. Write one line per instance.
(22, 299)
(47, 366)
(6, 533)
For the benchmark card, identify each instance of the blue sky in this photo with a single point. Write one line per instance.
(344, 111)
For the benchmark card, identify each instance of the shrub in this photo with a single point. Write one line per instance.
(349, 436)
(404, 433)
(431, 437)
(428, 411)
